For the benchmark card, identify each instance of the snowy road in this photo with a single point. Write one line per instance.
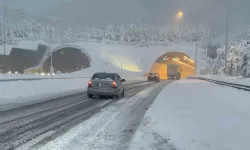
(50, 119)
(110, 127)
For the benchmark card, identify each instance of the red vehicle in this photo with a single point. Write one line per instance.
(153, 76)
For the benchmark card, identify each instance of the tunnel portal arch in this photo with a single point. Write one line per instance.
(187, 64)
(66, 59)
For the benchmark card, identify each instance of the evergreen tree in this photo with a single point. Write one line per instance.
(109, 33)
(68, 35)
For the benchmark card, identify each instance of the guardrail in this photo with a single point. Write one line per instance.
(33, 79)
(234, 85)
(54, 78)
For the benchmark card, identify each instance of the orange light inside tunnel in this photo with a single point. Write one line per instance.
(191, 60)
(184, 64)
(186, 69)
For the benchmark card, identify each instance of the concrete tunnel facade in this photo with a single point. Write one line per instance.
(182, 59)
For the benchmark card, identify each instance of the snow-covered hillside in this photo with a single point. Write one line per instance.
(21, 24)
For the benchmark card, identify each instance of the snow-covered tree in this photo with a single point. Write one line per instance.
(109, 33)
(219, 62)
(23, 25)
(122, 31)
(141, 34)
(68, 34)
(204, 59)
(237, 52)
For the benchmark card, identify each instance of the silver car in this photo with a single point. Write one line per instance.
(106, 84)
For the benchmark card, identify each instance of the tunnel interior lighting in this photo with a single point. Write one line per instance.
(185, 58)
(176, 58)
(184, 64)
(166, 58)
(191, 60)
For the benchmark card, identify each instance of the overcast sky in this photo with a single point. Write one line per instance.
(160, 12)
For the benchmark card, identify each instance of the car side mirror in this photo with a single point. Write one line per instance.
(123, 80)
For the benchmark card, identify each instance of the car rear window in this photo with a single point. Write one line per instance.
(104, 76)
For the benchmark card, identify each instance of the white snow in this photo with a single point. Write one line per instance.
(196, 115)
(30, 45)
(102, 131)
(237, 80)
(133, 59)
(23, 91)
(15, 76)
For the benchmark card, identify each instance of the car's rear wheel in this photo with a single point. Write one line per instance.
(123, 93)
(90, 96)
(118, 96)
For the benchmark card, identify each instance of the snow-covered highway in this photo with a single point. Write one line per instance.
(53, 117)
(186, 114)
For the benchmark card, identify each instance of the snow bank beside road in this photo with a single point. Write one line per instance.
(196, 115)
(237, 80)
(38, 76)
(24, 91)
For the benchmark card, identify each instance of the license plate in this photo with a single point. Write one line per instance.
(152, 76)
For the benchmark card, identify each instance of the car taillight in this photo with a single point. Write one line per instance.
(114, 85)
(90, 83)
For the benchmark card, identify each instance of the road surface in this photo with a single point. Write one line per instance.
(50, 119)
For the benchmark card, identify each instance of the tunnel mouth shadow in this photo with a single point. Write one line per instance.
(67, 60)
(187, 65)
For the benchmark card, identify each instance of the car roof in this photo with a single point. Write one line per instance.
(105, 73)
(108, 73)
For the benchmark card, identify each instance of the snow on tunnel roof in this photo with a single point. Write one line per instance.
(30, 45)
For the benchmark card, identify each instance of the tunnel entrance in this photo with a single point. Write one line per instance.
(66, 60)
(187, 65)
